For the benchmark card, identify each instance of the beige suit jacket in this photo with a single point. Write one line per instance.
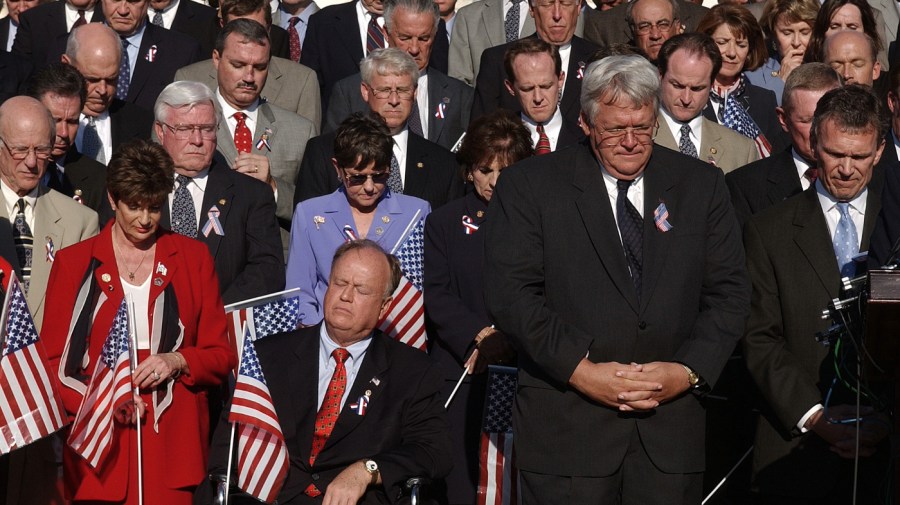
(719, 145)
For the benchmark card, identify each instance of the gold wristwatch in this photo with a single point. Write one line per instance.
(693, 378)
(371, 467)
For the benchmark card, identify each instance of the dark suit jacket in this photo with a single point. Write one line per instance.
(887, 228)
(173, 51)
(281, 45)
(456, 97)
(333, 49)
(791, 263)
(248, 257)
(432, 173)
(763, 183)
(569, 135)
(4, 31)
(491, 93)
(403, 429)
(128, 122)
(43, 32)
(552, 238)
(760, 103)
(610, 27)
(14, 73)
(84, 178)
(200, 22)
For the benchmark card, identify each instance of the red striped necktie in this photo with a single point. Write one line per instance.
(543, 143)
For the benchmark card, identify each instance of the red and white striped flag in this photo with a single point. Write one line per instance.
(110, 386)
(262, 464)
(498, 482)
(30, 407)
(405, 318)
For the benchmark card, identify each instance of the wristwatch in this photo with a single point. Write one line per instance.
(693, 378)
(371, 467)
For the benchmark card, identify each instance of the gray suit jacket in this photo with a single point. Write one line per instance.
(610, 27)
(455, 96)
(287, 136)
(58, 221)
(290, 86)
(719, 145)
(478, 26)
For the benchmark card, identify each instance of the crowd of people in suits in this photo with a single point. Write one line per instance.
(688, 187)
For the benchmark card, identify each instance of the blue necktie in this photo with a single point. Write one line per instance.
(91, 145)
(846, 241)
(124, 73)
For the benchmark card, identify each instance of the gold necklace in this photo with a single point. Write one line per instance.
(132, 272)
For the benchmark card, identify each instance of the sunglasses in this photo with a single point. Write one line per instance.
(360, 179)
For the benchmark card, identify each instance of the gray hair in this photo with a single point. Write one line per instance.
(73, 44)
(414, 7)
(814, 76)
(629, 7)
(181, 94)
(388, 61)
(628, 76)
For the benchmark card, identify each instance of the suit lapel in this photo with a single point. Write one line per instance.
(492, 22)
(437, 95)
(571, 95)
(273, 81)
(710, 144)
(782, 179)
(219, 192)
(347, 20)
(224, 141)
(416, 166)
(813, 239)
(143, 67)
(303, 384)
(664, 136)
(657, 183)
(597, 215)
(265, 120)
(47, 229)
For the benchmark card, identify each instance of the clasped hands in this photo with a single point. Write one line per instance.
(630, 387)
(152, 372)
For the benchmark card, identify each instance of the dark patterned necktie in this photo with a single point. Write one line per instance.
(329, 411)
(685, 145)
(374, 35)
(395, 182)
(294, 38)
(24, 242)
(812, 174)
(158, 19)
(184, 215)
(543, 143)
(631, 228)
(415, 120)
(81, 19)
(511, 24)
(91, 145)
(124, 73)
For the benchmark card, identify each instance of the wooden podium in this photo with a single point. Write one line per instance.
(883, 342)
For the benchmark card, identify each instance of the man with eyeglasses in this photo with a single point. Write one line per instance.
(105, 122)
(687, 65)
(555, 22)
(37, 223)
(256, 138)
(419, 167)
(652, 23)
(618, 270)
(612, 27)
(231, 212)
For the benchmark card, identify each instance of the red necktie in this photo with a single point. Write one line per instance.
(543, 143)
(374, 35)
(294, 39)
(242, 136)
(80, 21)
(812, 174)
(329, 411)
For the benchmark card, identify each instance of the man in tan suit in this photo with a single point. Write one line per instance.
(687, 65)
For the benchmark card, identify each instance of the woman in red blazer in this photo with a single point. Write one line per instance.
(183, 348)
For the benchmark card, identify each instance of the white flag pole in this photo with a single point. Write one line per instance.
(132, 345)
(458, 384)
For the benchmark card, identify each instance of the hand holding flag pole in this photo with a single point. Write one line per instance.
(138, 404)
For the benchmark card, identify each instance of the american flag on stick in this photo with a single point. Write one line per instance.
(30, 407)
(498, 478)
(263, 316)
(405, 318)
(110, 386)
(262, 453)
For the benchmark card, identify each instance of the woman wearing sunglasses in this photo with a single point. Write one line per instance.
(362, 207)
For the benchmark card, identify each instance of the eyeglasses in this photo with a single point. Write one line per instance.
(548, 4)
(382, 93)
(186, 131)
(19, 153)
(360, 179)
(642, 134)
(663, 25)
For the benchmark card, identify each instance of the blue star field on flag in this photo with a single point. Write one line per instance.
(411, 255)
(21, 332)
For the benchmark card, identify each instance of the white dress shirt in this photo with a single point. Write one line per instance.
(327, 364)
(140, 296)
(401, 142)
(72, 15)
(12, 198)
(551, 128)
(422, 101)
(284, 20)
(802, 166)
(228, 112)
(635, 194)
(674, 125)
(13, 29)
(168, 14)
(362, 19)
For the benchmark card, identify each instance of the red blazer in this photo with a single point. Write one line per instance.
(186, 265)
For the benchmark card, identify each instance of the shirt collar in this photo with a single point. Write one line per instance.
(696, 123)
(229, 111)
(304, 16)
(135, 38)
(11, 198)
(200, 179)
(173, 5)
(357, 350)
(554, 121)
(828, 202)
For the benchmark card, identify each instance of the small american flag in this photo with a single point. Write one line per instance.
(30, 407)
(405, 318)
(263, 316)
(738, 119)
(110, 386)
(262, 464)
(498, 478)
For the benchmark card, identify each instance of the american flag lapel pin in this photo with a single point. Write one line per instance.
(161, 269)
(661, 218)
(318, 221)
(151, 54)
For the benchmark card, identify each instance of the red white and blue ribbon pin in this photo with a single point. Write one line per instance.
(51, 252)
(580, 74)
(361, 405)
(151, 54)
(468, 225)
(348, 232)
(213, 224)
(264, 140)
(441, 110)
(661, 218)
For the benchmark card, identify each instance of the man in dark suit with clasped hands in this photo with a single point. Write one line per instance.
(622, 316)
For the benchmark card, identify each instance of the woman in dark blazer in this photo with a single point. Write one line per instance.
(460, 331)
(733, 100)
